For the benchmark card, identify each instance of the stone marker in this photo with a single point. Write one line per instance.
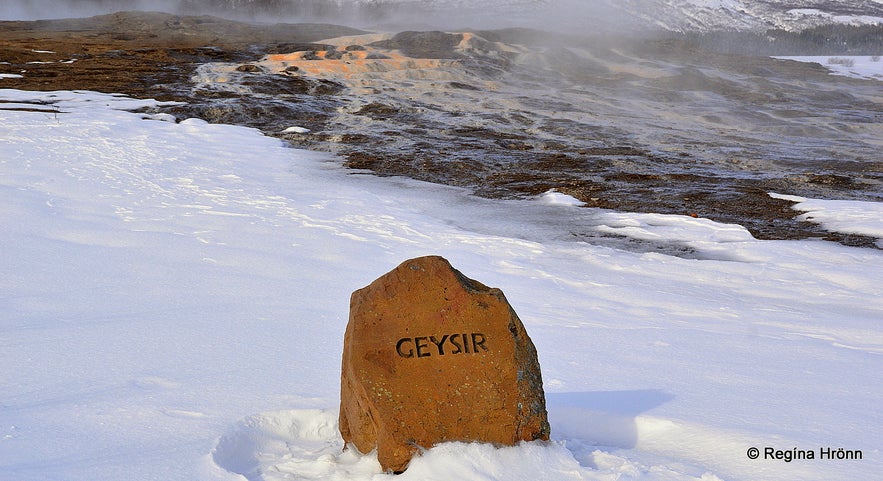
(431, 356)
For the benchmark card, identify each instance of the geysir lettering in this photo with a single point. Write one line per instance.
(466, 343)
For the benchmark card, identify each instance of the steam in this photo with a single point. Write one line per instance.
(54, 9)
(555, 15)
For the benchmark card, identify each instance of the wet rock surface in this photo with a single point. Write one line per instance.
(423, 44)
(135, 53)
(643, 126)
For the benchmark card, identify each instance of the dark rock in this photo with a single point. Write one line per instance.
(423, 44)
(834, 180)
(248, 68)
(462, 86)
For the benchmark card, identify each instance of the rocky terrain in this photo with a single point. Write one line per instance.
(647, 125)
(135, 53)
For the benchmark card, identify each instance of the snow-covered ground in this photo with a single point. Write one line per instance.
(826, 17)
(856, 66)
(846, 216)
(173, 298)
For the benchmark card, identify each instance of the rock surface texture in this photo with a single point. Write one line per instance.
(432, 356)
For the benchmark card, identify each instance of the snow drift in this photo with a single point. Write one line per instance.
(174, 297)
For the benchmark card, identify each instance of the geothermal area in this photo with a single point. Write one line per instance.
(642, 122)
(269, 240)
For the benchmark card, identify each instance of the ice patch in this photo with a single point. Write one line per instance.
(679, 228)
(553, 197)
(161, 117)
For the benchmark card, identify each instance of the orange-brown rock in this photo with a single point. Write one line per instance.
(432, 356)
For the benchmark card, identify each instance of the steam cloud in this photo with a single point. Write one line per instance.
(559, 15)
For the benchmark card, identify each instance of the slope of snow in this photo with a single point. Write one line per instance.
(825, 17)
(691, 15)
(846, 216)
(174, 297)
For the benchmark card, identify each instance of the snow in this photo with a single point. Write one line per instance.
(174, 297)
(856, 66)
(553, 197)
(296, 130)
(831, 18)
(845, 216)
(719, 4)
